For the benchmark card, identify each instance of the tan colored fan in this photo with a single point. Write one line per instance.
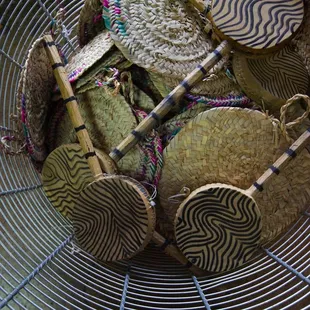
(218, 226)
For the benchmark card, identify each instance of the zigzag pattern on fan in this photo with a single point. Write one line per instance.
(257, 24)
(218, 228)
(65, 174)
(111, 229)
(283, 74)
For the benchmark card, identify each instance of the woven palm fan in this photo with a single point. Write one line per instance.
(167, 39)
(89, 55)
(234, 146)
(90, 21)
(218, 226)
(108, 119)
(34, 96)
(270, 81)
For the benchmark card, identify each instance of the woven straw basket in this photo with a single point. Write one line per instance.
(41, 267)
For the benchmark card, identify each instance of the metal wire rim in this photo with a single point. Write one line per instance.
(40, 267)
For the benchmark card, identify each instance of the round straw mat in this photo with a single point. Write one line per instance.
(303, 38)
(108, 119)
(235, 146)
(66, 173)
(37, 84)
(113, 218)
(89, 26)
(272, 80)
(89, 55)
(162, 36)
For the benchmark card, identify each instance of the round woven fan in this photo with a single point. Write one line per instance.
(36, 84)
(90, 21)
(235, 146)
(113, 218)
(66, 173)
(257, 26)
(166, 37)
(89, 55)
(272, 80)
(109, 119)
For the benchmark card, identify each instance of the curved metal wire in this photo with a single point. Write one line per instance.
(41, 268)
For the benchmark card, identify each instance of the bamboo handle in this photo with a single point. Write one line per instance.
(280, 164)
(175, 253)
(72, 106)
(170, 101)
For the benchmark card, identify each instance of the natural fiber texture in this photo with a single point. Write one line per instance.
(113, 59)
(133, 94)
(293, 112)
(90, 21)
(162, 36)
(36, 86)
(303, 38)
(109, 119)
(216, 83)
(57, 113)
(151, 162)
(141, 79)
(235, 146)
(272, 80)
(89, 55)
(171, 127)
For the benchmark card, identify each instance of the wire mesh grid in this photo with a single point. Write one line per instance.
(41, 268)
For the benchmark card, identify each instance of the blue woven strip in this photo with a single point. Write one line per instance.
(21, 189)
(307, 213)
(24, 282)
(288, 267)
(204, 300)
(122, 306)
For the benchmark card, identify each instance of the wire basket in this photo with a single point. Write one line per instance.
(41, 268)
